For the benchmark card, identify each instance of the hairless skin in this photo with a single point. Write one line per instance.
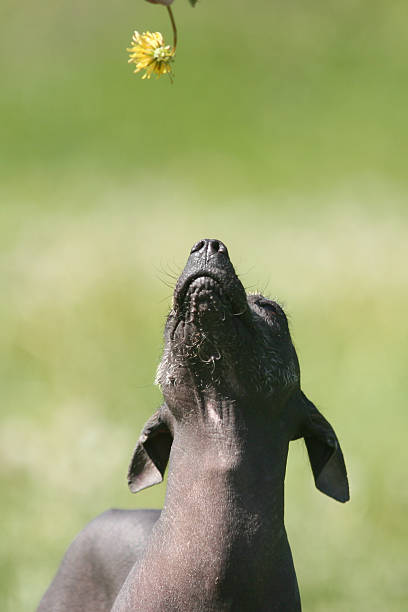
(232, 403)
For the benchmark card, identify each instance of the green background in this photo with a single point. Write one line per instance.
(285, 135)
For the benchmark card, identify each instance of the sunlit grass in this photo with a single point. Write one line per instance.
(305, 97)
(81, 340)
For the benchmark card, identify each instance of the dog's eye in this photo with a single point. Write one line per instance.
(270, 307)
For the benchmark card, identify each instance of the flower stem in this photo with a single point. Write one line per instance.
(173, 25)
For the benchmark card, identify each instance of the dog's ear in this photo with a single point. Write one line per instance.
(323, 447)
(151, 454)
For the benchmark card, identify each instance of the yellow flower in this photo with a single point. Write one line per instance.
(149, 53)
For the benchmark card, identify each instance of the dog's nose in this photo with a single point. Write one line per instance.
(210, 246)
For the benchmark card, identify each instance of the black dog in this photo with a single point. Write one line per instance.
(232, 403)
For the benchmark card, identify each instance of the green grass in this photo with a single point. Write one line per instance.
(285, 135)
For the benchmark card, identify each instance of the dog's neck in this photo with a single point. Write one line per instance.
(221, 530)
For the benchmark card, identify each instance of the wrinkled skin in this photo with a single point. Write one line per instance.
(236, 344)
(232, 402)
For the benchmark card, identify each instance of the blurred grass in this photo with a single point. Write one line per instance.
(285, 135)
